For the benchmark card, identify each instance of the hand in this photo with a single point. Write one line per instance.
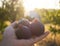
(9, 38)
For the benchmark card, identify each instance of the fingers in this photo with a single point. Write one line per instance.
(41, 37)
(34, 40)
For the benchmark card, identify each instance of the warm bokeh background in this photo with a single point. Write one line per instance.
(12, 10)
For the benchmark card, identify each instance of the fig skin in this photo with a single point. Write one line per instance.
(23, 32)
(37, 28)
(24, 22)
(28, 30)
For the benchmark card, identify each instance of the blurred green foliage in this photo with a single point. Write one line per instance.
(10, 10)
(15, 9)
(52, 17)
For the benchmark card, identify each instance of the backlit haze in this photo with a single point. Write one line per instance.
(47, 4)
(30, 5)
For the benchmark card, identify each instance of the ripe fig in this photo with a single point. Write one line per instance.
(37, 28)
(24, 22)
(23, 32)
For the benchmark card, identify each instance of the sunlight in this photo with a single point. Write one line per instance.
(0, 4)
(31, 4)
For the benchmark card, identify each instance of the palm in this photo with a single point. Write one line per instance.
(10, 38)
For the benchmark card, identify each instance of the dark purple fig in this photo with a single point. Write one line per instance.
(23, 33)
(37, 28)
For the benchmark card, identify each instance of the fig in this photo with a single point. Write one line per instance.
(23, 32)
(37, 28)
(24, 22)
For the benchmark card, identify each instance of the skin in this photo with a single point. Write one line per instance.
(9, 38)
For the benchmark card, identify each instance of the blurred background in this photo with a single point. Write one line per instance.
(47, 10)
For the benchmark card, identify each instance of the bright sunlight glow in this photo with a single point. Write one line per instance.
(47, 4)
(0, 4)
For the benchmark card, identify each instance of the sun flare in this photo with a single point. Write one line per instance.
(31, 4)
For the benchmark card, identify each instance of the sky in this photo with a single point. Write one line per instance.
(0, 3)
(47, 4)
(30, 5)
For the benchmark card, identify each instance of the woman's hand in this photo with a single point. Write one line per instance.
(9, 38)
